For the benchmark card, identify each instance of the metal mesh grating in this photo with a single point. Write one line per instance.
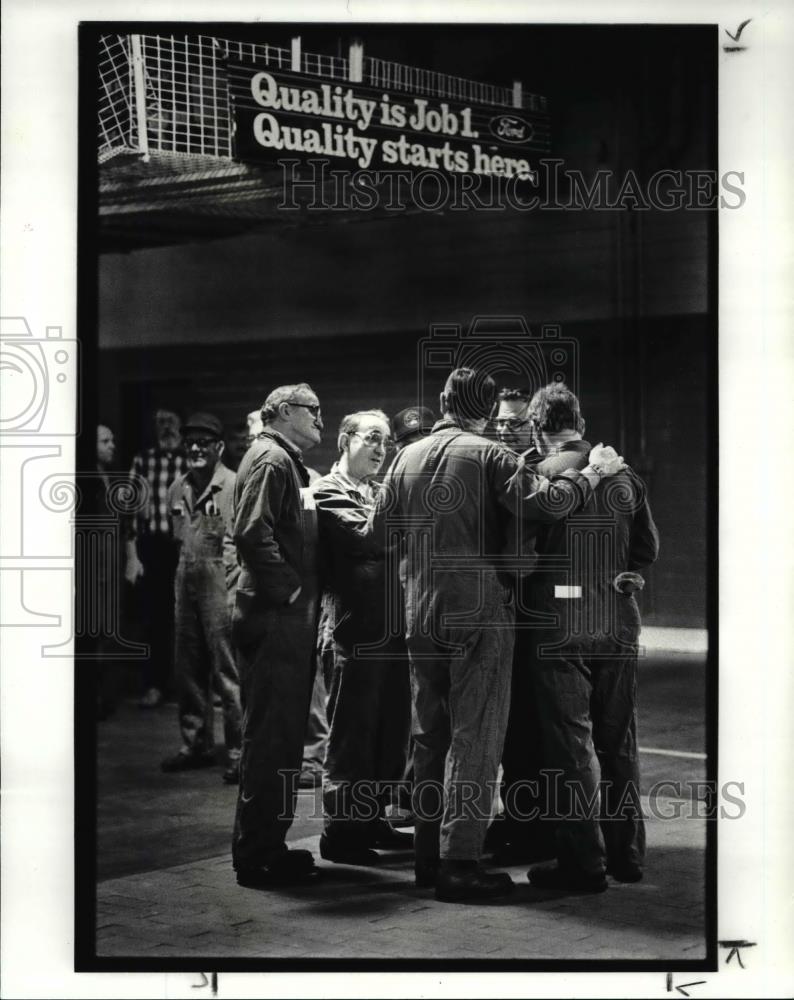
(115, 96)
(186, 92)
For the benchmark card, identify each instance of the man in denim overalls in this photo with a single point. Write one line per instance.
(200, 507)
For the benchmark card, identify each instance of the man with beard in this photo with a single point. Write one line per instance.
(151, 555)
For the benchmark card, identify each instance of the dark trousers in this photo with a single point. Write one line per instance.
(276, 676)
(369, 715)
(588, 711)
(155, 603)
(525, 822)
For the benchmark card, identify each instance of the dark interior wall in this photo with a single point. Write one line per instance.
(377, 276)
(662, 431)
(342, 304)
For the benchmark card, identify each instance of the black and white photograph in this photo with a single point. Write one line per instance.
(406, 625)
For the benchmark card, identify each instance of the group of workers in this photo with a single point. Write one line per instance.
(472, 607)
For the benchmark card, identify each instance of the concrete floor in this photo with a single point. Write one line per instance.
(166, 887)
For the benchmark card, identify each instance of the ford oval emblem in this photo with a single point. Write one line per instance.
(511, 128)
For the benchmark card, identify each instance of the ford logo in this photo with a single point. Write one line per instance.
(511, 128)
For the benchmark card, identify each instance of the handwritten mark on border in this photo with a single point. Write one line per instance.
(736, 37)
(212, 982)
(735, 946)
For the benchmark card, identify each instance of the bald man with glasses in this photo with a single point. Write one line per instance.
(369, 694)
(274, 627)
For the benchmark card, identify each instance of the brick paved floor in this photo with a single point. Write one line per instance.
(197, 909)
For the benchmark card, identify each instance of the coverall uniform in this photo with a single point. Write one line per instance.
(520, 826)
(275, 531)
(369, 699)
(584, 667)
(448, 498)
(203, 653)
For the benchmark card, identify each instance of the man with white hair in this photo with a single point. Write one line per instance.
(274, 628)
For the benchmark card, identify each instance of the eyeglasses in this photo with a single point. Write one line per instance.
(373, 438)
(313, 408)
(511, 423)
(202, 443)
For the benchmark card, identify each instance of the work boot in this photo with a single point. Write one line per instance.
(389, 839)
(466, 882)
(625, 873)
(426, 872)
(347, 854)
(565, 878)
(282, 867)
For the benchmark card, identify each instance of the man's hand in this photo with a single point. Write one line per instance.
(133, 571)
(605, 460)
(628, 583)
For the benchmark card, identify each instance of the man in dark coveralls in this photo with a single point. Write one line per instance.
(448, 499)
(369, 694)
(520, 834)
(584, 667)
(274, 627)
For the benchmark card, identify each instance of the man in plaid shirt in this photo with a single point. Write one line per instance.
(152, 554)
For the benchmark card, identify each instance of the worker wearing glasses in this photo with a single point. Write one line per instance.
(369, 699)
(200, 509)
(518, 835)
(513, 425)
(274, 626)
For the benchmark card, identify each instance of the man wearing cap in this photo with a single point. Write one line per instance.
(200, 509)
(274, 625)
(449, 499)
(411, 424)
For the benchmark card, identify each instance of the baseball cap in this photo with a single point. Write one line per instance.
(412, 420)
(205, 422)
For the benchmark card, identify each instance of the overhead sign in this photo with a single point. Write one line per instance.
(280, 114)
